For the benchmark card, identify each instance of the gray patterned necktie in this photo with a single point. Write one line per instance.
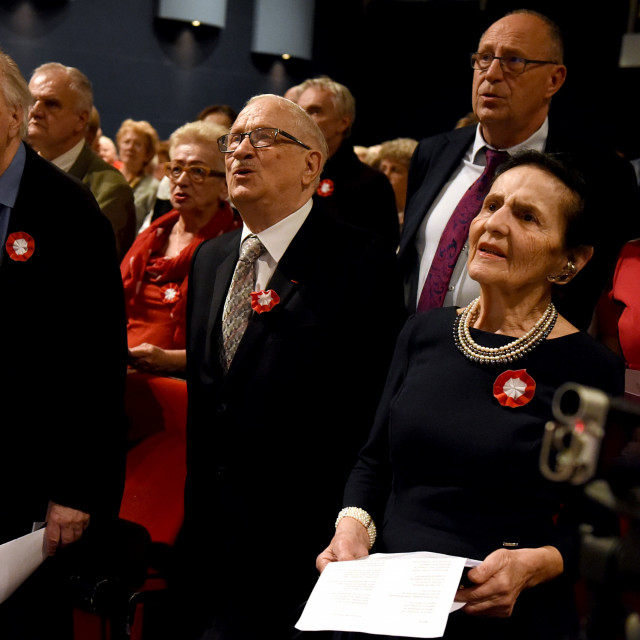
(237, 306)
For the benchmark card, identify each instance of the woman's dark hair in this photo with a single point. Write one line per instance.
(579, 230)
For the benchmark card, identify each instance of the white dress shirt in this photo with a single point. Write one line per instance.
(68, 158)
(276, 239)
(462, 289)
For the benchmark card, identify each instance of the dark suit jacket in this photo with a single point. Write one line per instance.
(63, 355)
(361, 195)
(271, 443)
(113, 194)
(613, 207)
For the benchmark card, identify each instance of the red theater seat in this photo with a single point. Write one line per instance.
(153, 497)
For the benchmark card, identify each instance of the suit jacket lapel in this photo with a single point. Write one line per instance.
(289, 274)
(220, 287)
(443, 162)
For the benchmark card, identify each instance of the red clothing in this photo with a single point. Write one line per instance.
(619, 309)
(155, 287)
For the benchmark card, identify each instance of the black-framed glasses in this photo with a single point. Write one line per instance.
(259, 138)
(197, 172)
(512, 64)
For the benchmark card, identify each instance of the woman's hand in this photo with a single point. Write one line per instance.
(503, 575)
(151, 359)
(350, 542)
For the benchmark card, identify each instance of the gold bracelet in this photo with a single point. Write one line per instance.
(363, 518)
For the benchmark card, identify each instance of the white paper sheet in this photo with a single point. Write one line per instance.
(19, 558)
(404, 594)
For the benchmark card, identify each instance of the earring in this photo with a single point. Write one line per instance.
(565, 275)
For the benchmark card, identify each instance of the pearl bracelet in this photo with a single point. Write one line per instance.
(363, 518)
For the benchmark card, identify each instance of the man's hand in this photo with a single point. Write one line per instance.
(64, 526)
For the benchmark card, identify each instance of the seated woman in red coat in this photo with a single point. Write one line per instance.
(156, 268)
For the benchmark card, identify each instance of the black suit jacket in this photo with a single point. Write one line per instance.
(271, 443)
(360, 195)
(613, 207)
(63, 355)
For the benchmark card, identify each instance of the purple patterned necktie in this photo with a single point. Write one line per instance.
(455, 234)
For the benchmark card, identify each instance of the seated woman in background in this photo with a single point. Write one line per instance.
(618, 312)
(452, 462)
(156, 268)
(137, 145)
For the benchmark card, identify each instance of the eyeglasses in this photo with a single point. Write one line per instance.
(196, 172)
(259, 138)
(512, 64)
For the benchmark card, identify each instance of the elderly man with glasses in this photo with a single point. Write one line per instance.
(291, 322)
(517, 70)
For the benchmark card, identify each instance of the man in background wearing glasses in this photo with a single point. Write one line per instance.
(518, 68)
(290, 327)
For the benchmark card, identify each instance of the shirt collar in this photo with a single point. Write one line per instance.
(10, 179)
(67, 159)
(536, 142)
(277, 237)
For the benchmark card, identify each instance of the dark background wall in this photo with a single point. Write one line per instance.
(405, 61)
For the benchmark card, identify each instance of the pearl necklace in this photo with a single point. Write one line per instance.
(507, 353)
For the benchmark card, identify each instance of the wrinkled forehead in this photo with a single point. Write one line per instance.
(520, 33)
(265, 112)
(52, 81)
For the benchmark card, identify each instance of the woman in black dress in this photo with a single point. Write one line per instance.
(452, 463)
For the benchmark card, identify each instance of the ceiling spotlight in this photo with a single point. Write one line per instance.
(286, 56)
(195, 23)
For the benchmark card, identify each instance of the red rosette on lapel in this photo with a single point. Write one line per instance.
(325, 188)
(514, 388)
(262, 301)
(20, 246)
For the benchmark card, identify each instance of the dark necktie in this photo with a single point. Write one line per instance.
(455, 234)
(237, 306)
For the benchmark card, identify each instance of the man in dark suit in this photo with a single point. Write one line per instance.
(58, 124)
(63, 361)
(277, 412)
(517, 71)
(349, 189)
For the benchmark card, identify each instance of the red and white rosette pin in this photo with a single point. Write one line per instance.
(170, 293)
(325, 188)
(20, 246)
(514, 388)
(262, 301)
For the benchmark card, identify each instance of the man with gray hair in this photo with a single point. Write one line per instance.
(291, 322)
(58, 123)
(63, 428)
(349, 189)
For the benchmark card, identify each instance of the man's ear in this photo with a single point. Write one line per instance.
(15, 121)
(345, 123)
(83, 121)
(556, 80)
(313, 167)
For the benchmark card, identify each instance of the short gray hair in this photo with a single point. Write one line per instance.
(15, 90)
(78, 83)
(304, 122)
(342, 98)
